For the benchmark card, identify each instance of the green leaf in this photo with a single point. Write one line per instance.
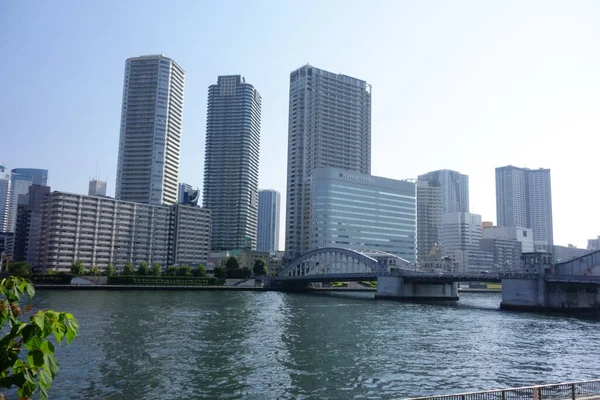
(47, 347)
(39, 319)
(70, 335)
(50, 363)
(34, 343)
(36, 358)
(30, 289)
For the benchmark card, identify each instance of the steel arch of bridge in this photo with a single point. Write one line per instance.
(336, 261)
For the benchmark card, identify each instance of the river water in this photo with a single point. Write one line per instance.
(196, 344)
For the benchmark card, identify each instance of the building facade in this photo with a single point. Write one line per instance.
(20, 180)
(522, 235)
(566, 253)
(363, 212)
(506, 254)
(188, 195)
(151, 129)
(430, 208)
(524, 199)
(594, 244)
(455, 189)
(268, 220)
(4, 198)
(101, 231)
(192, 235)
(231, 162)
(461, 231)
(28, 228)
(329, 126)
(97, 188)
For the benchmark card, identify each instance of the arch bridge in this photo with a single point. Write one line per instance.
(333, 263)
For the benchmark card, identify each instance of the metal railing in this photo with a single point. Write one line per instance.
(571, 390)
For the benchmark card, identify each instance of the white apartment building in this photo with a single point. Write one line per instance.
(101, 231)
(151, 128)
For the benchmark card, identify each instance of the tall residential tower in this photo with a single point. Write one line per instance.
(231, 162)
(268, 220)
(524, 199)
(151, 125)
(20, 181)
(4, 198)
(329, 126)
(455, 189)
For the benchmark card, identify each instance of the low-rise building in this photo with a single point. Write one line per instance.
(506, 254)
(99, 231)
(566, 253)
(522, 235)
(363, 212)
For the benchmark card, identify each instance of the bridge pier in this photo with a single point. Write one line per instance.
(405, 288)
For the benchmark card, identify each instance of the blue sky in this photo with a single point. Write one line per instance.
(463, 85)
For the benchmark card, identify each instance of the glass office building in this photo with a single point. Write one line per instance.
(363, 212)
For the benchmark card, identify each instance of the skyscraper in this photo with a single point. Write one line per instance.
(268, 220)
(430, 208)
(455, 189)
(329, 126)
(188, 195)
(231, 162)
(524, 199)
(97, 188)
(4, 198)
(20, 180)
(151, 125)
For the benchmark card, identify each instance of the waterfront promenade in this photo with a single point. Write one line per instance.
(588, 390)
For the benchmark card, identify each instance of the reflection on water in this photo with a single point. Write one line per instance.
(185, 345)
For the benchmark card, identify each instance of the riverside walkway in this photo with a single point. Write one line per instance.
(588, 390)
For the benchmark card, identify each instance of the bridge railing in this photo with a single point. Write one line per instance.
(571, 390)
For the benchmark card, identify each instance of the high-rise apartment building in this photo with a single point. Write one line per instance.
(151, 128)
(20, 180)
(97, 188)
(4, 198)
(524, 199)
(455, 189)
(28, 228)
(231, 162)
(363, 212)
(268, 220)
(100, 231)
(329, 126)
(566, 253)
(430, 208)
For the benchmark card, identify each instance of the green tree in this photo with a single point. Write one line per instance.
(143, 269)
(232, 263)
(110, 270)
(199, 271)
(184, 270)
(156, 269)
(19, 268)
(38, 368)
(260, 268)
(232, 268)
(77, 268)
(171, 271)
(128, 269)
(244, 273)
(219, 272)
(95, 271)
